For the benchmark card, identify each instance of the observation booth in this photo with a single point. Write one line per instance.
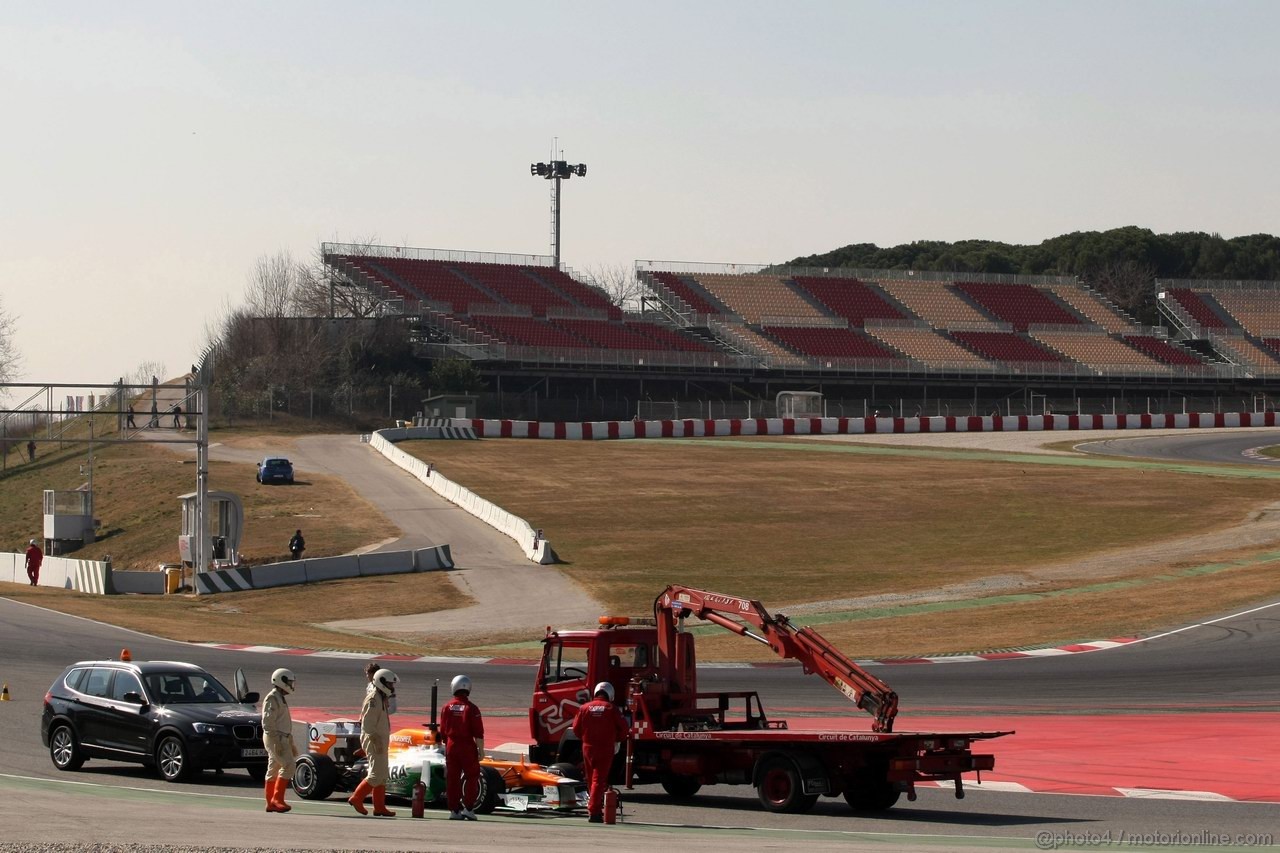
(450, 406)
(800, 404)
(225, 527)
(68, 520)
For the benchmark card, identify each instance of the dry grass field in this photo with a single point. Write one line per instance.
(792, 527)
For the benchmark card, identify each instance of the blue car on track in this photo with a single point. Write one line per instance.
(275, 469)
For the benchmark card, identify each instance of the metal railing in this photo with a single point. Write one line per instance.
(360, 250)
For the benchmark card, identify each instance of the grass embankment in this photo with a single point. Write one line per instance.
(788, 528)
(1273, 452)
(136, 488)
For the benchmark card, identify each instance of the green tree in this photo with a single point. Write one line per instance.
(454, 376)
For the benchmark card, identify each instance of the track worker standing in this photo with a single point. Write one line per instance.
(35, 557)
(463, 732)
(375, 738)
(297, 545)
(601, 727)
(277, 736)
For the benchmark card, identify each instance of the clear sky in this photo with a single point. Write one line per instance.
(151, 152)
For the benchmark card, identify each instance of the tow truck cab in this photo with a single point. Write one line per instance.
(573, 663)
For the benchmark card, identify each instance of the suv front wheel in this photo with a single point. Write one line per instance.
(172, 760)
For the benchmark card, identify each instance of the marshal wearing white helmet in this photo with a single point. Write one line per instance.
(277, 737)
(463, 732)
(600, 726)
(375, 740)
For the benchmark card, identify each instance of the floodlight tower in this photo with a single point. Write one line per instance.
(554, 171)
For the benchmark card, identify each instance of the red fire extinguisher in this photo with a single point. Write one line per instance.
(611, 805)
(419, 798)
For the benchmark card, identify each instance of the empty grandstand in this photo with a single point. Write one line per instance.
(746, 328)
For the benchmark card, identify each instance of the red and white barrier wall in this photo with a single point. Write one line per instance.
(599, 430)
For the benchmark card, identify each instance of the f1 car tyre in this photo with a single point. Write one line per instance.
(680, 787)
(567, 770)
(64, 750)
(314, 776)
(173, 762)
(780, 788)
(491, 787)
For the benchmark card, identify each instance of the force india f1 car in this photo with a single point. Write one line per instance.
(335, 762)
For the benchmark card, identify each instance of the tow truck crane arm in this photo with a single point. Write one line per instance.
(805, 645)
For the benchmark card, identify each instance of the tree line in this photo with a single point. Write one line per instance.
(1120, 263)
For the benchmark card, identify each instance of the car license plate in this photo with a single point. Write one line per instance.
(253, 753)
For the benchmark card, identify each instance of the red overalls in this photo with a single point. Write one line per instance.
(460, 724)
(600, 726)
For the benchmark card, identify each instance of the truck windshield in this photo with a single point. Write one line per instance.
(565, 663)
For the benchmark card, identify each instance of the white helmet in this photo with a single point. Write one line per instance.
(284, 679)
(460, 682)
(33, 541)
(384, 679)
(604, 687)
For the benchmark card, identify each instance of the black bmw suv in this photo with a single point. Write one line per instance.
(173, 716)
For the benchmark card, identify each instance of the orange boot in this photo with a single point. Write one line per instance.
(380, 802)
(357, 797)
(281, 785)
(270, 791)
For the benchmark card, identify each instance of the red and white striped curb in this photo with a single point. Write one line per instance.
(1071, 649)
(604, 430)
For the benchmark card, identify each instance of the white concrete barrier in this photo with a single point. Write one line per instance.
(90, 576)
(277, 574)
(8, 562)
(142, 583)
(224, 580)
(432, 559)
(331, 568)
(534, 547)
(386, 563)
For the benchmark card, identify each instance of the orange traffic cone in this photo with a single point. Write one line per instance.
(4, 693)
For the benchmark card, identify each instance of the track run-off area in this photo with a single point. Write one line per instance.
(1166, 741)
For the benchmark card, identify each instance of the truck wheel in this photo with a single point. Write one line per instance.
(870, 789)
(314, 776)
(680, 787)
(779, 787)
(491, 787)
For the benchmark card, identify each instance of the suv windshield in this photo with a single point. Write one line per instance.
(186, 688)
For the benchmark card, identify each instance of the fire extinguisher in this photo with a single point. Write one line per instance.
(611, 805)
(419, 798)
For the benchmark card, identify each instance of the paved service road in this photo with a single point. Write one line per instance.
(1221, 665)
(509, 590)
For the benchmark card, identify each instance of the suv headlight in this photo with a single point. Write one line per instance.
(206, 729)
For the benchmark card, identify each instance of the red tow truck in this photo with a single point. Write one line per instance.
(684, 739)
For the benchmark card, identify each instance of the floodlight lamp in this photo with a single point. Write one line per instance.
(580, 170)
(533, 168)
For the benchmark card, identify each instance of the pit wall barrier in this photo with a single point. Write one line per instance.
(138, 583)
(294, 572)
(605, 430)
(535, 548)
(88, 576)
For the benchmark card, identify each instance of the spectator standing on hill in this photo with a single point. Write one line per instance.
(31, 450)
(177, 416)
(35, 557)
(129, 420)
(297, 544)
